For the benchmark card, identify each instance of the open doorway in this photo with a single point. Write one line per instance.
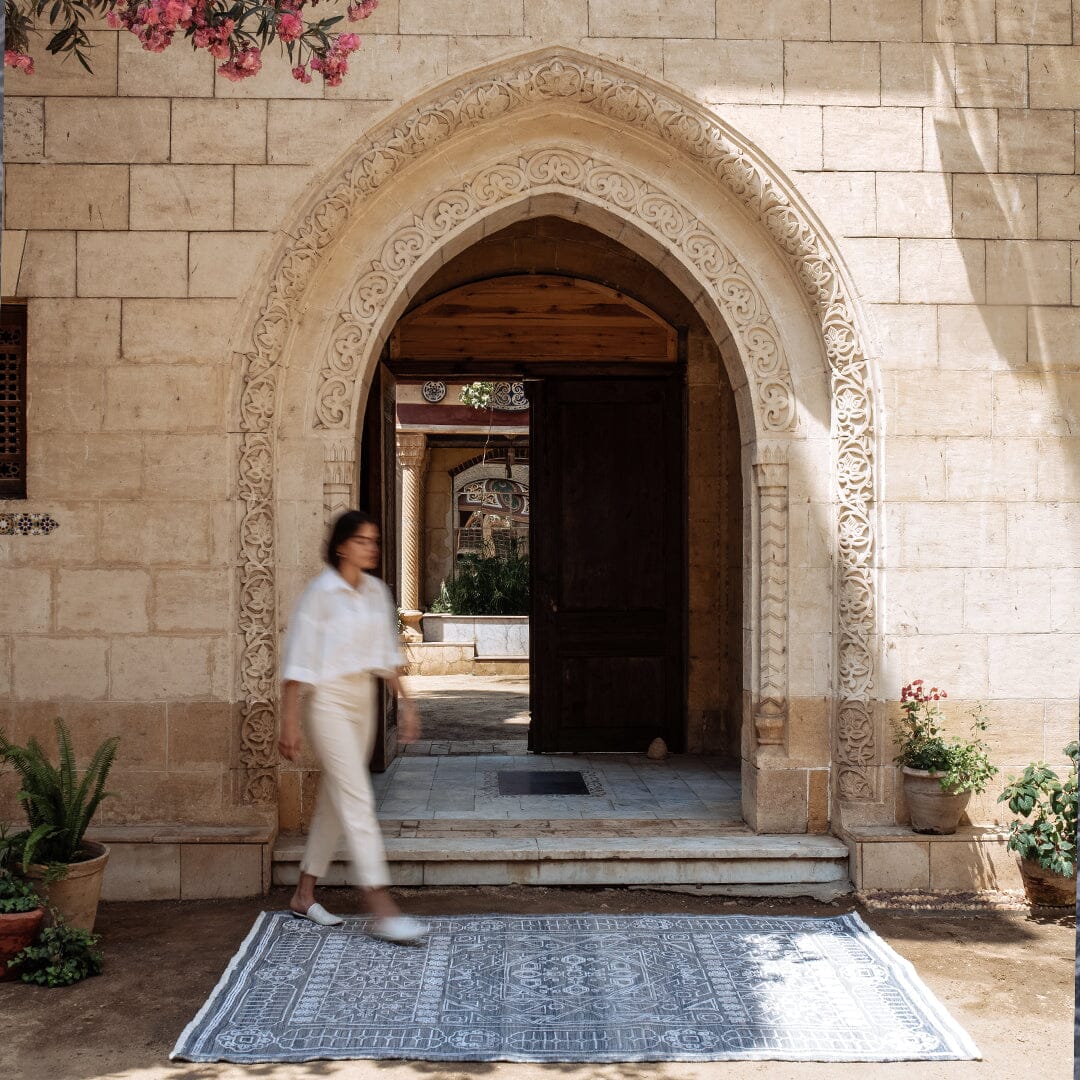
(552, 583)
(464, 442)
(629, 405)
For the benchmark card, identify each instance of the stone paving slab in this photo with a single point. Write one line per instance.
(630, 785)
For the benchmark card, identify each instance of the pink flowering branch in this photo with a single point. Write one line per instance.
(235, 32)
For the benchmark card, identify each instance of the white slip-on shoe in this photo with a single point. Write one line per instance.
(318, 914)
(399, 930)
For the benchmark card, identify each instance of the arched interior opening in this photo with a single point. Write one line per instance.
(468, 337)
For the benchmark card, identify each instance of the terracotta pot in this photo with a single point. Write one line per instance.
(932, 810)
(75, 896)
(1044, 888)
(17, 930)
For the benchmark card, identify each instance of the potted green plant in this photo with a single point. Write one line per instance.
(59, 806)
(940, 773)
(21, 910)
(1044, 832)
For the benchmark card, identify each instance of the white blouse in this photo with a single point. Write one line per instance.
(337, 630)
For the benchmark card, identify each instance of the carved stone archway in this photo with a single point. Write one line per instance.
(697, 141)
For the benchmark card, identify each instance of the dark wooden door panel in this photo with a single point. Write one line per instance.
(608, 564)
(378, 496)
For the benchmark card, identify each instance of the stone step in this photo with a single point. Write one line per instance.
(740, 863)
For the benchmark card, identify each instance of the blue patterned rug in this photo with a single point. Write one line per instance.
(574, 988)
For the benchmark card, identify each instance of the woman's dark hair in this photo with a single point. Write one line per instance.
(348, 524)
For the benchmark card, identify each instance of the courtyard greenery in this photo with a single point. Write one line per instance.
(58, 803)
(478, 395)
(16, 894)
(1045, 805)
(62, 955)
(486, 585)
(964, 764)
(235, 32)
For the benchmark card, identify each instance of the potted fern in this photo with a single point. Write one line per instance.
(59, 806)
(1044, 832)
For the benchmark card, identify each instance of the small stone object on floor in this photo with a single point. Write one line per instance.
(657, 749)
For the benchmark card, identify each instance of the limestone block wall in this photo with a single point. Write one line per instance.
(936, 140)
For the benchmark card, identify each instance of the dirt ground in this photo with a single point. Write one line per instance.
(471, 707)
(1007, 977)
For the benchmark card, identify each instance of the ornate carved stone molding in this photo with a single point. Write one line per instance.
(694, 136)
(578, 175)
(770, 716)
(258, 622)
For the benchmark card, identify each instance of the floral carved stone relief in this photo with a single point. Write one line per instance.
(695, 136)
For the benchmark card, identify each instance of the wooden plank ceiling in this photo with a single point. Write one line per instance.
(533, 317)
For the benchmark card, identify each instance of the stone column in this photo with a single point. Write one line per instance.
(770, 716)
(412, 456)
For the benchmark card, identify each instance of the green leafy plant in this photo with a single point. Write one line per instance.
(486, 585)
(59, 805)
(441, 604)
(1046, 807)
(61, 956)
(922, 743)
(17, 895)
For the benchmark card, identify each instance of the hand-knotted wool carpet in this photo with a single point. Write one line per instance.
(574, 988)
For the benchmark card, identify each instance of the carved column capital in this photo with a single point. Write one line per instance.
(771, 469)
(412, 449)
(339, 479)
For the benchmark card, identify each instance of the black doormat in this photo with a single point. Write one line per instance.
(542, 782)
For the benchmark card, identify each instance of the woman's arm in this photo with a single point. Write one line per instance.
(408, 716)
(289, 740)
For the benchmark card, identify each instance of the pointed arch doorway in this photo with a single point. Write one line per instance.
(634, 452)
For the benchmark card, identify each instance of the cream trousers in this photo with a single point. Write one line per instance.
(341, 726)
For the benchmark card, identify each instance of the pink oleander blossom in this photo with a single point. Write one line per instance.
(311, 45)
(289, 26)
(362, 9)
(19, 60)
(334, 64)
(243, 65)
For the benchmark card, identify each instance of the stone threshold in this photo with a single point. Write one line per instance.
(459, 747)
(629, 827)
(749, 864)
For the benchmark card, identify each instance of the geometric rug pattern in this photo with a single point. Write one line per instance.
(573, 988)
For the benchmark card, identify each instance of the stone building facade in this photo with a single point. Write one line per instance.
(865, 213)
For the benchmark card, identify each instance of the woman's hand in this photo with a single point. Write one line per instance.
(408, 720)
(289, 743)
(289, 739)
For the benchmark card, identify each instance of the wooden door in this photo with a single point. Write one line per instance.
(378, 496)
(608, 564)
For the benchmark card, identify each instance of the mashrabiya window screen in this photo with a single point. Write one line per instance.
(13, 401)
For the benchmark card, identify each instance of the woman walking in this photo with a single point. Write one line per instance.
(341, 638)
